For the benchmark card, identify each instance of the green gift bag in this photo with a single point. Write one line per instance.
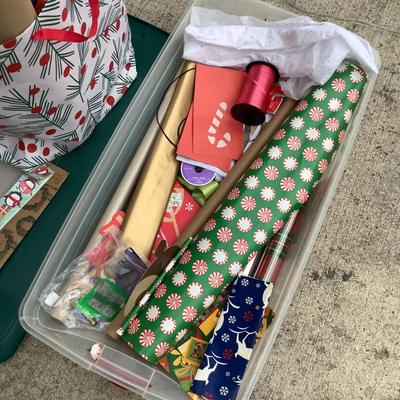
(278, 182)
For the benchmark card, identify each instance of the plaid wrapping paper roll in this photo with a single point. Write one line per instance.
(278, 182)
(275, 252)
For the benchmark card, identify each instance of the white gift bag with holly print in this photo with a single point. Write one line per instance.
(61, 77)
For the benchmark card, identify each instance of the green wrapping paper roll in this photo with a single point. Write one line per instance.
(278, 182)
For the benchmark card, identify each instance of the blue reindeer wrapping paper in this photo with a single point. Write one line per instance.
(225, 360)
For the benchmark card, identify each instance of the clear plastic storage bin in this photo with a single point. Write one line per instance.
(118, 363)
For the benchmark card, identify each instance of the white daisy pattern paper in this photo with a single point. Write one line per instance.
(281, 179)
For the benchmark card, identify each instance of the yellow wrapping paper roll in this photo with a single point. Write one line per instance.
(150, 197)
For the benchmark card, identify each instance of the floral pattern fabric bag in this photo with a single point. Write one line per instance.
(61, 77)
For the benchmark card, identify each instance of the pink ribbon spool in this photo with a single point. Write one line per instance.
(251, 106)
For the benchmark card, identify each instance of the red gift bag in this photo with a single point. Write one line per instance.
(61, 77)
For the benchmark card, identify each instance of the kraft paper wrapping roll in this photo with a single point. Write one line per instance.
(15, 17)
(159, 174)
(278, 182)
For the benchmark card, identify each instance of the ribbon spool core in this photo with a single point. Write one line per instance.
(251, 105)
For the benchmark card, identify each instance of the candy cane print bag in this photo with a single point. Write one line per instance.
(61, 77)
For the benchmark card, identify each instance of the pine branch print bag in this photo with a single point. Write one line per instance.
(61, 77)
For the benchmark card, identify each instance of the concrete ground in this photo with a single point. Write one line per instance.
(341, 337)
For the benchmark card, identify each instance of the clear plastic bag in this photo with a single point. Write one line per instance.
(91, 291)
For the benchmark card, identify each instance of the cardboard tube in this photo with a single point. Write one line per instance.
(150, 197)
(15, 17)
(237, 171)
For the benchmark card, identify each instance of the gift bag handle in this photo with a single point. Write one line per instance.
(69, 36)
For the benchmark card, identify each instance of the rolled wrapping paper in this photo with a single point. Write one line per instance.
(278, 182)
(224, 362)
(183, 362)
(147, 206)
(274, 255)
(223, 380)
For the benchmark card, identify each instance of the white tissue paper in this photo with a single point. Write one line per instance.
(305, 52)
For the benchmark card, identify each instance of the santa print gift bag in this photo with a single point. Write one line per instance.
(61, 77)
